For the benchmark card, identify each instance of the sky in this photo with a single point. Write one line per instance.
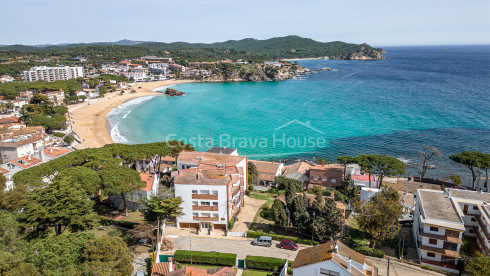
(376, 22)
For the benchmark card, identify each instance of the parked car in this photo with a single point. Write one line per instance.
(287, 244)
(263, 241)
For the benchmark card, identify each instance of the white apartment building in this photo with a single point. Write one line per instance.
(159, 68)
(44, 73)
(212, 188)
(443, 219)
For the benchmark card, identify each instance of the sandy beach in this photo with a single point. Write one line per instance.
(89, 119)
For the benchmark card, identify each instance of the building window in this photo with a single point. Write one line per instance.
(315, 178)
(195, 203)
(333, 180)
(434, 229)
(432, 241)
(195, 214)
(430, 254)
(205, 203)
(215, 203)
(471, 231)
(205, 214)
(215, 192)
(194, 192)
(475, 207)
(473, 219)
(324, 179)
(205, 192)
(215, 215)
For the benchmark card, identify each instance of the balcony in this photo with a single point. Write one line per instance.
(204, 208)
(439, 237)
(482, 226)
(481, 240)
(442, 251)
(205, 218)
(204, 196)
(441, 264)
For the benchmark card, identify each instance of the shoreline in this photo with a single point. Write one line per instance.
(89, 120)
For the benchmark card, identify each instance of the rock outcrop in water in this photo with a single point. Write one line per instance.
(174, 92)
(259, 72)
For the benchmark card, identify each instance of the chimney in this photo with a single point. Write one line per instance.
(349, 264)
(50, 149)
(29, 157)
(41, 154)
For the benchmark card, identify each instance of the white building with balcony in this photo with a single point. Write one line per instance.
(44, 73)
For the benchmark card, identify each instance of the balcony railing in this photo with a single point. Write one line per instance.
(481, 240)
(446, 252)
(482, 226)
(205, 218)
(204, 196)
(440, 237)
(204, 208)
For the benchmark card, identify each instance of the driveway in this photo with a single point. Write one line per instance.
(240, 247)
(247, 214)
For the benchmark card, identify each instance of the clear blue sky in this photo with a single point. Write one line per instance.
(379, 23)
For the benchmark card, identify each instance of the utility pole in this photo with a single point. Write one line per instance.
(388, 271)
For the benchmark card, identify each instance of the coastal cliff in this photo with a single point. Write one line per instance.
(257, 73)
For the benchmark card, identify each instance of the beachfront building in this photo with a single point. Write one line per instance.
(332, 258)
(299, 171)
(443, 219)
(44, 73)
(212, 187)
(267, 171)
(158, 68)
(326, 175)
(223, 150)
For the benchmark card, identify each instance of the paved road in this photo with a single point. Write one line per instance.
(240, 247)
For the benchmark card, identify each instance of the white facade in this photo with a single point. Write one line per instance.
(321, 269)
(196, 205)
(44, 73)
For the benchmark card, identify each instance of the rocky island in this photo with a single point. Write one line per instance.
(174, 92)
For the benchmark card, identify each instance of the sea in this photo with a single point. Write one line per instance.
(420, 95)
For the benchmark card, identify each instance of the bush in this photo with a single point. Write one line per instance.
(247, 192)
(231, 222)
(68, 139)
(202, 257)
(59, 134)
(251, 187)
(265, 263)
(127, 224)
(370, 251)
(114, 233)
(256, 234)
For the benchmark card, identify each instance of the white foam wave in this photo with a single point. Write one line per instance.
(119, 113)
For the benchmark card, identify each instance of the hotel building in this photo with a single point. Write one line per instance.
(43, 73)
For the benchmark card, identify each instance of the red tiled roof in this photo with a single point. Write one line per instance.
(160, 269)
(9, 120)
(4, 171)
(148, 178)
(26, 161)
(55, 152)
(15, 144)
(364, 177)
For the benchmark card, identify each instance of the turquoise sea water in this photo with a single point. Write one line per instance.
(419, 95)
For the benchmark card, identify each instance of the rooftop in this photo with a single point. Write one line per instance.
(471, 195)
(209, 158)
(14, 143)
(55, 151)
(26, 161)
(266, 167)
(203, 177)
(437, 205)
(221, 150)
(9, 120)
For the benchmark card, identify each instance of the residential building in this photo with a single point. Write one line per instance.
(44, 73)
(133, 199)
(273, 63)
(326, 175)
(23, 145)
(333, 258)
(443, 219)
(56, 97)
(299, 171)
(212, 188)
(25, 95)
(363, 181)
(159, 68)
(6, 78)
(267, 171)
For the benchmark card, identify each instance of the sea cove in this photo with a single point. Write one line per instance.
(437, 96)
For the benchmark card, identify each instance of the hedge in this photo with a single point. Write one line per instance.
(202, 257)
(231, 222)
(265, 263)
(370, 251)
(256, 234)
